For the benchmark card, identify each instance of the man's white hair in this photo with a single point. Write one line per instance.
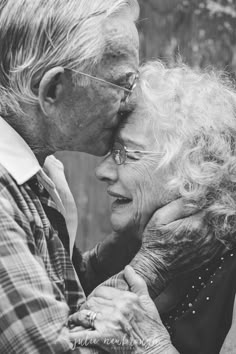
(41, 34)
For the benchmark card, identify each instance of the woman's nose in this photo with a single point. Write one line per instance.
(107, 170)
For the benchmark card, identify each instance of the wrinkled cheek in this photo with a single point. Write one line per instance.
(140, 189)
(141, 205)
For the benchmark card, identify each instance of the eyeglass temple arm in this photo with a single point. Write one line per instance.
(101, 80)
(144, 152)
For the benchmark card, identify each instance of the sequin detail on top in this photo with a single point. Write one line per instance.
(204, 277)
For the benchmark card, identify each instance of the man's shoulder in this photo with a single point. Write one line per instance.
(5, 177)
(13, 201)
(8, 192)
(8, 186)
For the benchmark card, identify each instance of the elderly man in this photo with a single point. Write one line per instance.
(67, 69)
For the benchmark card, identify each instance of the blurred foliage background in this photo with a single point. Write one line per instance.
(203, 32)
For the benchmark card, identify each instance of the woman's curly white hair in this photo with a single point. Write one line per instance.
(193, 114)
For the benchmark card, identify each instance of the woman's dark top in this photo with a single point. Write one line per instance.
(201, 321)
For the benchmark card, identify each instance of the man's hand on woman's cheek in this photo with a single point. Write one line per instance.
(175, 210)
(162, 254)
(126, 321)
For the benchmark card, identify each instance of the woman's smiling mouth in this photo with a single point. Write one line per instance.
(120, 201)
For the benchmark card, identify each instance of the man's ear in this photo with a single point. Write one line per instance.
(51, 89)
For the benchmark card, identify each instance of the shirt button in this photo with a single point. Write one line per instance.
(40, 187)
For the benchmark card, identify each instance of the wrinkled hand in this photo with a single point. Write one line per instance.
(172, 244)
(175, 210)
(126, 322)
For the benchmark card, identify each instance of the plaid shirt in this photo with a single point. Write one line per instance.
(39, 286)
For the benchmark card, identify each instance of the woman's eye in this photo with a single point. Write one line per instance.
(133, 156)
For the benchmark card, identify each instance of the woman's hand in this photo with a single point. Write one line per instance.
(126, 321)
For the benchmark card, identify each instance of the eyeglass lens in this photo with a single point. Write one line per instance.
(131, 86)
(118, 153)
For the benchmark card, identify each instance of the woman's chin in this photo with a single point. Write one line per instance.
(120, 222)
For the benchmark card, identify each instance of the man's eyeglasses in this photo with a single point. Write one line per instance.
(131, 83)
(119, 153)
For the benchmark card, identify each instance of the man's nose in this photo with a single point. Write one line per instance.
(107, 170)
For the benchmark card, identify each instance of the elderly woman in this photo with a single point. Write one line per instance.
(180, 142)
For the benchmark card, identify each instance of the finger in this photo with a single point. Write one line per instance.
(77, 329)
(94, 302)
(177, 209)
(117, 281)
(80, 318)
(193, 224)
(196, 222)
(106, 292)
(136, 283)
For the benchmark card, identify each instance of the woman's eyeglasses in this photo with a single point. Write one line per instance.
(119, 153)
(131, 83)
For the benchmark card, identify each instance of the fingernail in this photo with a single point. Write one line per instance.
(70, 324)
(131, 269)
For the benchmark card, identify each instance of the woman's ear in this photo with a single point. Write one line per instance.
(51, 89)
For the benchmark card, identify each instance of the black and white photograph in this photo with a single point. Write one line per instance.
(118, 176)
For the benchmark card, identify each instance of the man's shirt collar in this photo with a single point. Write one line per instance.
(15, 155)
(20, 162)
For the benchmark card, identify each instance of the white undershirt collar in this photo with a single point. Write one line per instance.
(15, 155)
(20, 162)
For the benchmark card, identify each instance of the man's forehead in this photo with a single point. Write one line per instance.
(121, 37)
(121, 46)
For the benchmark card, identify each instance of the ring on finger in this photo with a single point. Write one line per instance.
(91, 318)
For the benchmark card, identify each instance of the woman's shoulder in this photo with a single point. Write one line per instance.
(203, 318)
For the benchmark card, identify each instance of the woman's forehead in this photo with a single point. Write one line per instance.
(137, 131)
